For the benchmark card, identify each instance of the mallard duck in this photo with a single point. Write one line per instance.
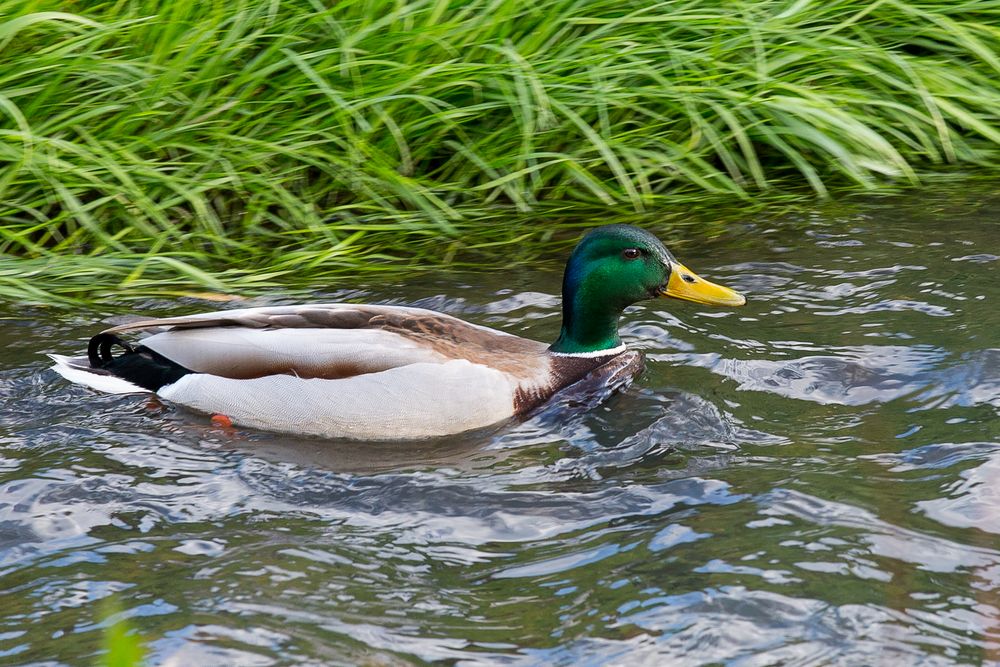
(371, 372)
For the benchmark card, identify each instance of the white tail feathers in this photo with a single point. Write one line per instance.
(78, 371)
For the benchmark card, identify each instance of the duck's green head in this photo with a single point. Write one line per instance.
(610, 269)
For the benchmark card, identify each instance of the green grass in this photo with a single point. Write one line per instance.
(122, 649)
(143, 139)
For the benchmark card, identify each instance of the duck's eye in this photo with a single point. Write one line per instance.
(631, 253)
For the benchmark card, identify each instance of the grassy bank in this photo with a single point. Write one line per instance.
(143, 139)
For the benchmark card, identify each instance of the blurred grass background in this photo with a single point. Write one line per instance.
(229, 144)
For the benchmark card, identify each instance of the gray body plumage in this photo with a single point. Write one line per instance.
(356, 371)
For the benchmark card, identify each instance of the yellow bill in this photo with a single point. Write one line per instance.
(685, 284)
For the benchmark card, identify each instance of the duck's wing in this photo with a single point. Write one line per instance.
(331, 341)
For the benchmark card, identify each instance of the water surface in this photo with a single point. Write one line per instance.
(812, 479)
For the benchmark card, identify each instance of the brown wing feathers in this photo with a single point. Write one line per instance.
(442, 337)
(281, 317)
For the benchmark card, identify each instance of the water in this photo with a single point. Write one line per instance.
(812, 479)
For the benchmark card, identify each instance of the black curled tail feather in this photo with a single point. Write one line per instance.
(99, 349)
(137, 364)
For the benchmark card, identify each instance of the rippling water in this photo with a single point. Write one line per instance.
(812, 479)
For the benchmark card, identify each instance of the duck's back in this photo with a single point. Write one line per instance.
(331, 341)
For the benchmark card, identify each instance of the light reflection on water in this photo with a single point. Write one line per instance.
(812, 479)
